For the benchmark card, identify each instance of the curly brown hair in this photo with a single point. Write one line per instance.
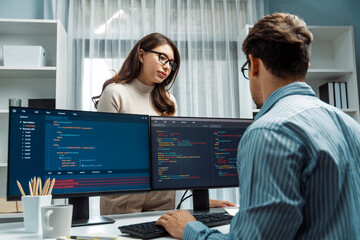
(131, 69)
(282, 41)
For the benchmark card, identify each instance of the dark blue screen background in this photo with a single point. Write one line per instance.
(86, 152)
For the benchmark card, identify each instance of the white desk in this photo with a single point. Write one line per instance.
(16, 230)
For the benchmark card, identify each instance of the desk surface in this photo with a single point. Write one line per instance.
(16, 230)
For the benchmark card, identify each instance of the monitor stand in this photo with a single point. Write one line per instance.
(81, 213)
(200, 200)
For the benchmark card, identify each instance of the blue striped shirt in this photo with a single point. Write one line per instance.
(299, 172)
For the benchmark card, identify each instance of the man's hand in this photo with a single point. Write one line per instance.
(175, 222)
(220, 204)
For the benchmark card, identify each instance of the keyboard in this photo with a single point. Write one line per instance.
(148, 230)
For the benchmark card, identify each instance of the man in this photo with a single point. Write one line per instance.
(298, 163)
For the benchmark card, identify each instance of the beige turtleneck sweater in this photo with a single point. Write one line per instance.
(135, 98)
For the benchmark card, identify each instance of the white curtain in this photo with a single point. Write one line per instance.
(207, 33)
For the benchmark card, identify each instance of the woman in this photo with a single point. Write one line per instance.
(140, 87)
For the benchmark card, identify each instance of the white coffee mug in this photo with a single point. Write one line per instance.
(56, 220)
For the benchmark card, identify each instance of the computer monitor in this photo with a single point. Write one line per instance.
(195, 153)
(88, 153)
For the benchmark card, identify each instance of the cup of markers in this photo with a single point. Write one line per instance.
(39, 195)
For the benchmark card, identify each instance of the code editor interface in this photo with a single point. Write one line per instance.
(195, 152)
(83, 151)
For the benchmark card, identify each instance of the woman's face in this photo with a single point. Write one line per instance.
(152, 70)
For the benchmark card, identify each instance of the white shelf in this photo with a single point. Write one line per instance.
(27, 27)
(4, 111)
(3, 164)
(321, 33)
(40, 72)
(327, 74)
(349, 110)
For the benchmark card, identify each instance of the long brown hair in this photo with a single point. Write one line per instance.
(131, 70)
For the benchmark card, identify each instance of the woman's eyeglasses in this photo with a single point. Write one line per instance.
(245, 70)
(163, 59)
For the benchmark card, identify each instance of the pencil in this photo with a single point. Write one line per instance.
(20, 188)
(51, 187)
(37, 181)
(33, 186)
(39, 186)
(40, 189)
(46, 185)
(30, 188)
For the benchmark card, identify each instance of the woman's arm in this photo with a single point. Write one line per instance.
(110, 100)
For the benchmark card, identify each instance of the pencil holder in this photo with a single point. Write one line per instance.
(32, 211)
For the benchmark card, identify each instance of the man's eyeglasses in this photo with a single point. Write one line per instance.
(245, 70)
(163, 59)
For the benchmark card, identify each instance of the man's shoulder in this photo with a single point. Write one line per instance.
(267, 121)
(290, 109)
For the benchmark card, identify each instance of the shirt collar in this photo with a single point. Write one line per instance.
(295, 88)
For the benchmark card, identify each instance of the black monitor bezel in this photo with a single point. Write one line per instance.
(83, 194)
(250, 120)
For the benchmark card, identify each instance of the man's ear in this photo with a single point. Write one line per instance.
(141, 55)
(254, 65)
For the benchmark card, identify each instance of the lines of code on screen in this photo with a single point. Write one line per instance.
(195, 152)
(82, 145)
(86, 152)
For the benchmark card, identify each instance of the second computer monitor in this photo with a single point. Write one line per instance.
(195, 153)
